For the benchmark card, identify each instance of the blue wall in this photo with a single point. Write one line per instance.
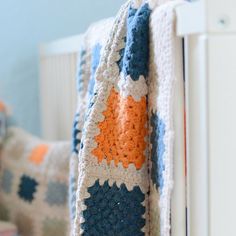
(24, 24)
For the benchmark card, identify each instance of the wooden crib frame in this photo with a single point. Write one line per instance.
(208, 28)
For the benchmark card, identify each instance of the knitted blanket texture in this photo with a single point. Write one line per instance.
(122, 163)
(34, 184)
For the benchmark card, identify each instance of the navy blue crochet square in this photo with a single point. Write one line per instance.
(80, 79)
(135, 56)
(157, 152)
(113, 210)
(27, 188)
(76, 140)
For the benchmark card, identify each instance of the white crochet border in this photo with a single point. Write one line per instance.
(165, 48)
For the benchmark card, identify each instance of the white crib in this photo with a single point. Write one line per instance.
(208, 28)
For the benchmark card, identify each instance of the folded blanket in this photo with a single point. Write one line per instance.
(125, 171)
(88, 59)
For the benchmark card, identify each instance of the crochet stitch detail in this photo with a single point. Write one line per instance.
(38, 154)
(27, 188)
(113, 210)
(123, 131)
(54, 227)
(56, 193)
(81, 68)
(94, 64)
(136, 54)
(76, 133)
(6, 181)
(157, 151)
(121, 53)
(72, 190)
(79, 118)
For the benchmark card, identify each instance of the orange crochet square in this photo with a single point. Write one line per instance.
(123, 131)
(2, 107)
(38, 154)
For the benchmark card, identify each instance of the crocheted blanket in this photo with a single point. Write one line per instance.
(88, 60)
(124, 144)
(33, 182)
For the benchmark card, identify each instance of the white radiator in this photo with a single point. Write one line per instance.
(58, 64)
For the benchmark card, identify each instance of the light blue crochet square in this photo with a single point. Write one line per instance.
(56, 193)
(72, 197)
(6, 182)
(157, 151)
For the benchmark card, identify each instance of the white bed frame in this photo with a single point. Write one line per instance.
(209, 31)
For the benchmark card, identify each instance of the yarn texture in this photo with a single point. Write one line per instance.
(124, 143)
(34, 184)
(113, 161)
(164, 71)
(88, 61)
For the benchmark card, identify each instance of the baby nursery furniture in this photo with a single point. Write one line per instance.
(203, 197)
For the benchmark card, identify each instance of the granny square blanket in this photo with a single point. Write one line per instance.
(88, 60)
(34, 184)
(123, 149)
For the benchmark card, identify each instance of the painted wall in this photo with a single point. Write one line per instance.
(24, 24)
